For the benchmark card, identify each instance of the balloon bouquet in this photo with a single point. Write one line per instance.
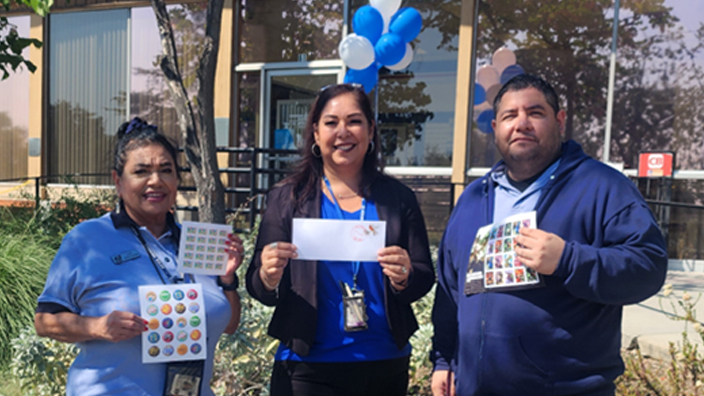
(489, 80)
(382, 36)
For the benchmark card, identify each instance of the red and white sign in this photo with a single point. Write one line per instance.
(656, 164)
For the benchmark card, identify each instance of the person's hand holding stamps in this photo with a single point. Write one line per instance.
(539, 250)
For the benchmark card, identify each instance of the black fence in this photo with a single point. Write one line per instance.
(250, 174)
(252, 171)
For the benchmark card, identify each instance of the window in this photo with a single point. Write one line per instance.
(417, 105)
(659, 96)
(88, 80)
(289, 31)
(104, 70)
(14, 114)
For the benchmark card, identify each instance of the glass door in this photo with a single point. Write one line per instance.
(288, 96)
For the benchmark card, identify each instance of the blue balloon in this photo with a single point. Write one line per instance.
(511, 72)
(407, 23)
(368, 22)
(367, 77)
(389, 50)
(484, 121)
(479, 94)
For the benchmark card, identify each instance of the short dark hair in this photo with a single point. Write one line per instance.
(309, 170)
(525, 81)
(138, 133)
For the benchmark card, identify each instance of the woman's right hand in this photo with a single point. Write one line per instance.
(119, 326)
(274, 258)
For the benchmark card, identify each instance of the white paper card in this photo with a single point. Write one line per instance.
(201, 249)
(176, 315)
(338, 240)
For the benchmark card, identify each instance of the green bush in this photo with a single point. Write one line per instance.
(24, 262)
(41, 364)
(28, 241)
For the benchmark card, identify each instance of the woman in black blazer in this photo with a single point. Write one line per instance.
(328, 347)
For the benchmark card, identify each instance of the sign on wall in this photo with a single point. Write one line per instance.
(656, 164)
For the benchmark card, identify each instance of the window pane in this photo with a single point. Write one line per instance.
(150, 97)
(659, 98)
(14, 112)
(249, 85)
(417, 105)
(565, 41)
(87, 84)
(683, 224)
(286, 30)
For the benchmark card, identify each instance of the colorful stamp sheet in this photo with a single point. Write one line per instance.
(501, 267)
(202, 248)
(176, 321)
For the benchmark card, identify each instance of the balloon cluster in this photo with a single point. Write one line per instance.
(382, 33)
(489, 80)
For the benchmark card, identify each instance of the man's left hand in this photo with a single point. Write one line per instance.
(539, 250)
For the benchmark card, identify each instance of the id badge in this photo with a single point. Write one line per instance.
(184, 378)
(355, 311)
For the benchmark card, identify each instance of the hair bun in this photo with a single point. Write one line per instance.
(135, 125)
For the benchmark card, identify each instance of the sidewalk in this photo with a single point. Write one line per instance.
(648, 325)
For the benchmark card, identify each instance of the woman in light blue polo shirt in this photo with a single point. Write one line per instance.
(91, 298)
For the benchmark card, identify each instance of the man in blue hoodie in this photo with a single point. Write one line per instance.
(597, 247)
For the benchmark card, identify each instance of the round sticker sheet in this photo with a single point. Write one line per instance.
(175, 317)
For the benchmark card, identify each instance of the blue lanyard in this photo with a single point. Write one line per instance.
(355, 264)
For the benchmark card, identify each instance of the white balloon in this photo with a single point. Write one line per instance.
(407, 59)
(487, 76)
(503, 57)
(356, 52)
(386, 7)
(387, 22)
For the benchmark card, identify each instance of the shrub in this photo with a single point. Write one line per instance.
(682, 374)
(41, 364)
(24, 262)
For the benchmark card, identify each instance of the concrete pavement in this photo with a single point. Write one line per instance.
(649, 324)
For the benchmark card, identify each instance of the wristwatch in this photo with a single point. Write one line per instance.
(229, 286)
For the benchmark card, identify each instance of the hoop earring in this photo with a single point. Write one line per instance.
(370, 149)
(312, 149)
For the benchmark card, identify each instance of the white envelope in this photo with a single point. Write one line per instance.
(338, 240)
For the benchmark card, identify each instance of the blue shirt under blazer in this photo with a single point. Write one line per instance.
(295, 318)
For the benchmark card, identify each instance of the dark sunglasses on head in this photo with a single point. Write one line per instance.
(353, 85)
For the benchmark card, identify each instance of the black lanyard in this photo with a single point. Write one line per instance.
(173, 279)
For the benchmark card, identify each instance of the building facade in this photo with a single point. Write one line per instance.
(98, 68)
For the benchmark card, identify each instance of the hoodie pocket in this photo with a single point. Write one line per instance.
(508, 369)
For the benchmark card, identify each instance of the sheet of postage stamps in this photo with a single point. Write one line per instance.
(201, 248)
(176, 321)
(493, 264)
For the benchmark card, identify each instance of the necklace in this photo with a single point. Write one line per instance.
(342, 196)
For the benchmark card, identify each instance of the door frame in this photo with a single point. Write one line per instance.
(298, 70)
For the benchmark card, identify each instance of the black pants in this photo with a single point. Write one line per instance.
(381, 377)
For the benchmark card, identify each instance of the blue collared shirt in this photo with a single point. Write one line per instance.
(509, 200)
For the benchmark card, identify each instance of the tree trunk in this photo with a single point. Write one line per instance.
(198, 132)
